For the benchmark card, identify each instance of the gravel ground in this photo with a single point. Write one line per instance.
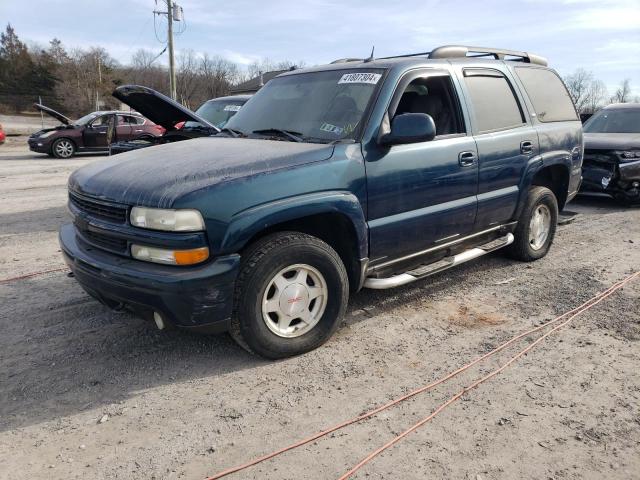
(178, 405)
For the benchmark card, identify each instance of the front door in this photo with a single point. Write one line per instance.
(95, 134)
(422, 194)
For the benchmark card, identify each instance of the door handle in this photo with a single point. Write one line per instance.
(466, 159)
(526, 147)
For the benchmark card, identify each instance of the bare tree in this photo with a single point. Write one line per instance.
(596, 96)
(187, 79)
(145, 71)
(217, 75)
(623, 93)
(578, 84)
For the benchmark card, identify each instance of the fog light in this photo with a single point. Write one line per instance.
(159, 320)
(169, 257)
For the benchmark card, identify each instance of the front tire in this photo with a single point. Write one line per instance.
(291, 294)
(536, 225)
(63, 148)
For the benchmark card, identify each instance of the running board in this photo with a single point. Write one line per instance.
(432, 268)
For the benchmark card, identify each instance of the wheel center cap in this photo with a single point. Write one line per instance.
(294, 299)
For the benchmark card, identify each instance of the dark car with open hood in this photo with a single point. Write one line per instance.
(612, 152)
(179, 122)
(90, 134)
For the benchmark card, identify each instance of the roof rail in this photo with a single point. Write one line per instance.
(460, 51)
(347, 60)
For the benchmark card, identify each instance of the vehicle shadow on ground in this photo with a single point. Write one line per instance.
(597, 203)
(15, 154)
(62, 352)
(44, 220)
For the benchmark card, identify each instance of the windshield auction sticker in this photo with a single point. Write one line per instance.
(360, 78)
(232, 108)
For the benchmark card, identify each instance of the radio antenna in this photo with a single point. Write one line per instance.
(370, 59)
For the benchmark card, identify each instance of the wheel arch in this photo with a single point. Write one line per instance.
(552, 172)
(334, 217)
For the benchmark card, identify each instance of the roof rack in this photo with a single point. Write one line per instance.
(459, 51)
(462, 51)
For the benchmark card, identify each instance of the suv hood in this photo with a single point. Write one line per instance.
(52, 113)
(157, 107)
(611, 141)
(156, 177)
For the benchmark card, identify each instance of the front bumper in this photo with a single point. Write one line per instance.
(198, 298)
(38, 146)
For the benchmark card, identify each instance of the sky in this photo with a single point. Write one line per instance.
(601, 36)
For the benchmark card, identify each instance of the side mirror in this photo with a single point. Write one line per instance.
(410, 128)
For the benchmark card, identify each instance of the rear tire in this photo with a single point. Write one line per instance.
(290, 296)
(63, 148)
(536, 227)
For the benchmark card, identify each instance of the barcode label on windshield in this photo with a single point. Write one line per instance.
(360, 78)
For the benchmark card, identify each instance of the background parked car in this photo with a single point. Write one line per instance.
(89, 133)
(2, 135)
(180, 122)
(612, 152)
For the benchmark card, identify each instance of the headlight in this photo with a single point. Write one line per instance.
(47, 134)
(169, 257)
(167, 220)
(629, 155)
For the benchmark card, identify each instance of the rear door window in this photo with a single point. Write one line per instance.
(547, 93)
(493, 101)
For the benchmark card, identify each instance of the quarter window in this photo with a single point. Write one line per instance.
(548, 94)
(494, 103)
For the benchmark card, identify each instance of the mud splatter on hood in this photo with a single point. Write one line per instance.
(157, 176)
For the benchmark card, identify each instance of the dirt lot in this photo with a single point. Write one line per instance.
(177, 405)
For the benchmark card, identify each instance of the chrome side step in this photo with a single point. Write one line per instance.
(436, 267)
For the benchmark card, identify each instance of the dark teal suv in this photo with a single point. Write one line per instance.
(373, 173)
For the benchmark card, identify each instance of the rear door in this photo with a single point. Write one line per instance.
(505, 138)
(125, 127)
(422, 194)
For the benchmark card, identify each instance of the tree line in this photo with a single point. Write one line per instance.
(76, 81)
(590, 94)
(79, 80)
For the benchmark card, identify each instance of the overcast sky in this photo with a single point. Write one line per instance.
(602, 36)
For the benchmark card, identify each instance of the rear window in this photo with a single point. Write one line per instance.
(494, 104)
(549, 96)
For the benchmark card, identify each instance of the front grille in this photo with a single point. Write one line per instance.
(105, 241)
(117, 213)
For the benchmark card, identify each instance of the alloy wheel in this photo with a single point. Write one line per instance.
(294, 300)
(539, 227)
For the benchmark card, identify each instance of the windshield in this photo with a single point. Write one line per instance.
(86, 119)
(322, 106)
(625, 120)
(216, 112)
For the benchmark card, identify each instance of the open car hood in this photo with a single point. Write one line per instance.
(51, 112)
(157, 107)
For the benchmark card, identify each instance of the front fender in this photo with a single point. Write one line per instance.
(248, 223)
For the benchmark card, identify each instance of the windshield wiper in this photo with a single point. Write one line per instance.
(295, 136)
(234, 133)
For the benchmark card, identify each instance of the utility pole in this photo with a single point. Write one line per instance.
(172, 67)
(99, 85)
